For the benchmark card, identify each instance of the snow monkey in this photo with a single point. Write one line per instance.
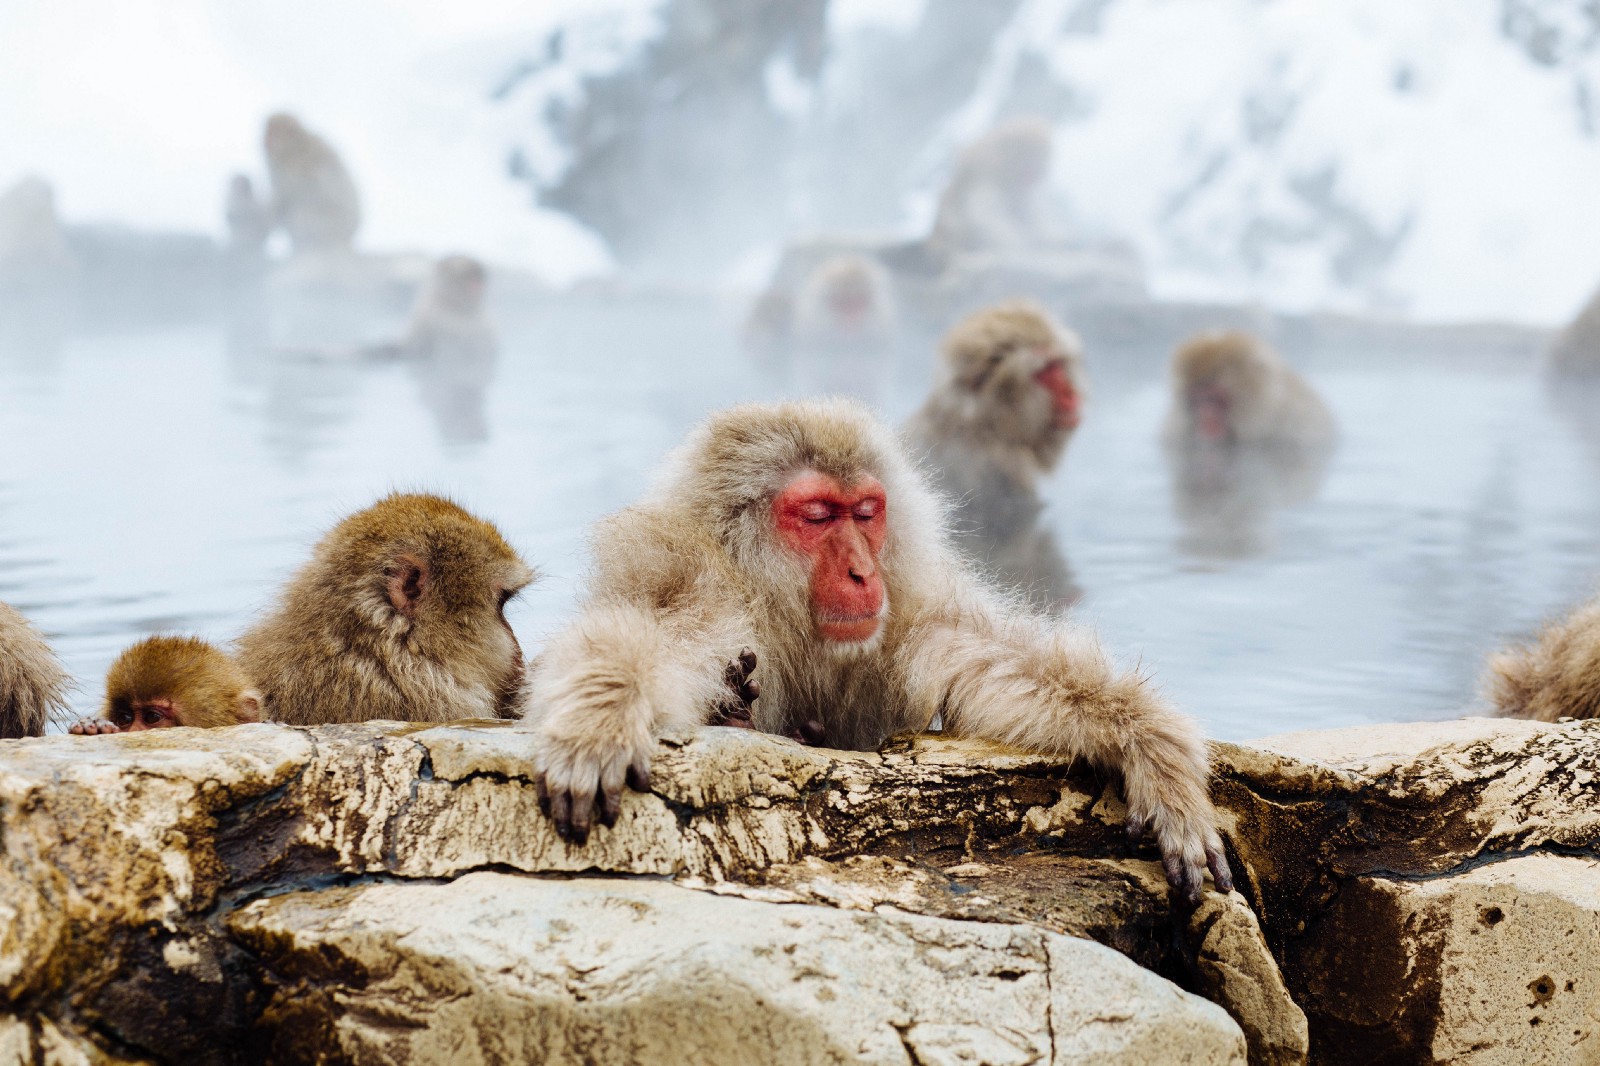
(452, 348)
(313, 198)
(845, 301)
(803, 532)
(399, 614)
(1576, 349)
(1230, 388)
(1557, 676)
(249, 218)
(993, 200)
(33, 684)
(162, 682)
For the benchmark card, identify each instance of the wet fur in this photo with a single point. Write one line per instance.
(336, 649)
(1557, 676)
(686, 578)
(33, 684)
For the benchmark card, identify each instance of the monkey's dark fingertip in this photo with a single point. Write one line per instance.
(1135, 827)
(611, 807)
(747, 659)
(1221, 872)
(750, 690)
(639, 778)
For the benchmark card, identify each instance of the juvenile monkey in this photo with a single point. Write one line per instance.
(1557, 676)
(1008, 398)
(162, 682)
(803, 532)
(1245, 436)
(313, 198)
(993, 202)
(400, 614)
(33, 684)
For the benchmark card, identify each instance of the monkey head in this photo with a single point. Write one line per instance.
(458, 284)
(1016, 153)
(162, 682)
(838, 529)
(283, 136)
(1225, 383)
(1017, 375)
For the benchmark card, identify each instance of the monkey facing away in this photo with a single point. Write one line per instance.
(1009, 397)
(802, 532)
(162, 682)
(313, 197)
(993, 202)
(1557, 676)
(1245, 436)
(399, 614)
(33, 684)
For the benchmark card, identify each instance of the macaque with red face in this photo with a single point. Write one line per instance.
(162, 682)
(33, 685)
(1245, 436)
(993, 202)
(400, 614)
(313, 197)
(1009, 397)
(846, 301)
(803, 532)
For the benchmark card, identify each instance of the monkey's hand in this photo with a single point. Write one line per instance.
(581, 771)
(90, 727)
(1189, 846)
(743, 690)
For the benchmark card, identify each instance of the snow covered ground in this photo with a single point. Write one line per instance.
(1439, 158)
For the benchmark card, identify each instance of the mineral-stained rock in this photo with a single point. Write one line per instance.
(491, 968)
(187, 896)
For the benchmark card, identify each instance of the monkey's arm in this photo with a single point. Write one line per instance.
(1050, 688)
(648, 653)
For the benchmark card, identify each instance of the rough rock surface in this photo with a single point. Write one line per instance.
(349, 894)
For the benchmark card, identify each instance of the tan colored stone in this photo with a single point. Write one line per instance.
(1240, 974)
(492, 968)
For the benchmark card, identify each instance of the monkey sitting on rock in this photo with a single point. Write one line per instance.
(33, 685)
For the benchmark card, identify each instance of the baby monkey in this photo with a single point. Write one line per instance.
(172, 681)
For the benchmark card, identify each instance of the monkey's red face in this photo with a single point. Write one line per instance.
(1209, 403)
(840, 529)
(146, 714)
(1063, 396)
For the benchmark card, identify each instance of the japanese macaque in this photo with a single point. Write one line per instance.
(313, 198)
(249, 218)
(400, 614)
(993, 202)
(845, 302)
(1576, 349)
(162, 682)
(1245, 436)
(1009, 396)
(452, 348)
(1557, 676)
(803, 532)
(33, 685)
(33, 243)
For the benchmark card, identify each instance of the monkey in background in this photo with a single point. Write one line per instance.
(994, 200)
(452, 348)
(1576, 349)
(162, 682)
(33, 684)
(1009, 397)
(313, 196)
(33, 244)
(846, 302)
(400, 614)
(1556, 676)
(249, 218)
(802, 532)
(1245, 436)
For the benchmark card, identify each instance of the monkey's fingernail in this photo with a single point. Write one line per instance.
(612, 807)
(639, 778)
(561, 813)
(1221, 873)
(542, 790)
(747, 659)
(751, 690)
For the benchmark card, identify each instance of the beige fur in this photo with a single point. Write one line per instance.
(817, 319)
(1557, 676)
(1576, 349)
(686, 578)
(338, 649)
(992, 203)
(33, 684)
(313, 197)
(1271, 403)
(193, 683)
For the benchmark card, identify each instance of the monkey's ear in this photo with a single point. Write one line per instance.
(408, 581)
(248, 708)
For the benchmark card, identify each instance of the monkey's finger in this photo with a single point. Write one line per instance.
(1137, 826)
(639, 777)
(813, 733)
(582, 817)
(561, 813)
(542, 790)
(611, 808)
(1221, 873)
(750, 691)
(1184, 879)
(747, 661)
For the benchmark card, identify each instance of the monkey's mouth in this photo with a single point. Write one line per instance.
(843, 628)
